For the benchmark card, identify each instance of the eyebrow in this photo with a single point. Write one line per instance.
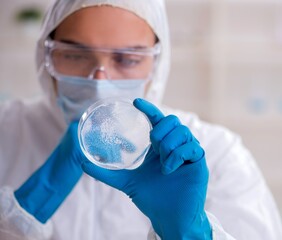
(84, 46)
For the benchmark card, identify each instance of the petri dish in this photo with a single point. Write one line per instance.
(113, 134)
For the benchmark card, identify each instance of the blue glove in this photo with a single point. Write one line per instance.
(47, 188)
(170, 186)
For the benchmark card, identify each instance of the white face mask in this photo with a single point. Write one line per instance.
(76, 94)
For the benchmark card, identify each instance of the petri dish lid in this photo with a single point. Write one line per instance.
(114, 134)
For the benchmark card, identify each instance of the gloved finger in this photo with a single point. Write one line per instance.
(114, 178)
(190, 151)
(150, 110)
(163, 128)
(70, 140)
(177, 137)
(72, 130)
(74, 126)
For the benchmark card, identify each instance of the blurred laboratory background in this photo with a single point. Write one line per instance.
(226, 67)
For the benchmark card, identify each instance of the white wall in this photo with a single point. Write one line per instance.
(17, 47)
(226, 66)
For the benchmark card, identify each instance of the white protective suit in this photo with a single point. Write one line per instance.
(239, 204)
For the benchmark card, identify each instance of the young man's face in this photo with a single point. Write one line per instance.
(105, 27)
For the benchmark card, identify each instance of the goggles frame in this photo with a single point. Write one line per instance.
(51, 45)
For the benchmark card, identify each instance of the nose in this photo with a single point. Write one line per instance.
(99, 73)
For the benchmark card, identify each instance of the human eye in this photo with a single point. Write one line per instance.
(127, 60)
(74, 56)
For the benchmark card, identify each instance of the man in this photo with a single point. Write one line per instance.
(87, 51)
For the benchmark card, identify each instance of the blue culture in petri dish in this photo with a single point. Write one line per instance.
(113, 134)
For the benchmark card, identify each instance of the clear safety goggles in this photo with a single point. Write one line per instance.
(77, 60)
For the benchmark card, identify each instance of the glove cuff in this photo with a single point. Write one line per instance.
(46, 189)
(38, 199)
(201, 228)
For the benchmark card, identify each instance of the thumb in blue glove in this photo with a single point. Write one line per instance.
(48, 187)
(170, 186)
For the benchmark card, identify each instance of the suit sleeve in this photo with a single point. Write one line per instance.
(16, 223)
